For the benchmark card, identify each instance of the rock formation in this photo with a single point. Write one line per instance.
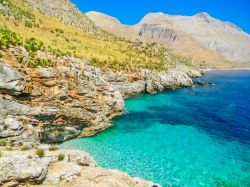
(74, 168)
(68, 100)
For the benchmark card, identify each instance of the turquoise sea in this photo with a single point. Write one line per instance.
(197, 136)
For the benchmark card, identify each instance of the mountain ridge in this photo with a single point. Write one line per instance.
(215, 40)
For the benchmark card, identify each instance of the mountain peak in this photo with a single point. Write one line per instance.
(204, 16)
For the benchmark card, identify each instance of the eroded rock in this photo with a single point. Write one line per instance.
(11, 81)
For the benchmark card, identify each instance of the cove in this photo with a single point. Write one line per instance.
(198, 136)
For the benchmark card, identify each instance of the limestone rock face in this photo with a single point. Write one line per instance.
(20, 167)
(151, 81)
(13, 131)
(65, 101)
(10, 127)
(11, 81)
(76, 169)
(99, 177)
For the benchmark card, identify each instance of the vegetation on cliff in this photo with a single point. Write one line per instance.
(23, 25)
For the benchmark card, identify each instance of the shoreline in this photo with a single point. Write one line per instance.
(229, 69)
(73, 99)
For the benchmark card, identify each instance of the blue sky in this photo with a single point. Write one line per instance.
(131, 11)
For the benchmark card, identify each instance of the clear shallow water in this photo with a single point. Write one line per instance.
(197, 136)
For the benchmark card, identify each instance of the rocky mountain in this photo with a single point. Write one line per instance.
(66, 12)
(203, 38)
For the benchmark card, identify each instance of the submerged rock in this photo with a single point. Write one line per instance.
(202, 83)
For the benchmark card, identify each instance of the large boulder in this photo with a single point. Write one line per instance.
(80, 158)
(11, 81)
(62, 171)
(13, 131)
(10, 127)
(23, 168)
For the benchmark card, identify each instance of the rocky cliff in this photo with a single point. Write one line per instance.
(222, 37)
(68, 100)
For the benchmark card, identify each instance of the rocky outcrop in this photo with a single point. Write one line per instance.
(154, 33)
(17, 129)
(62, 102)
(72, 98)
(74, 168)
(10, 80)
(145, 81)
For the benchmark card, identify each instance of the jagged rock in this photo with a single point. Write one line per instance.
(202, 83)
(152, 81)
(46, 73)
(13, 131)
(10, 127)
(11, 81)
(80, 158)
(56, 134)
(156, 34)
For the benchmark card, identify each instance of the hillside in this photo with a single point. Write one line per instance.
(75, 34)
(208, 41)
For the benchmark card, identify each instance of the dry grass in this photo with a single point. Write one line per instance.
(109, 52)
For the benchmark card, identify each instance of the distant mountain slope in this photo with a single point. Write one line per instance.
(222, 37)
(66, 12)
(111, 25)
(208, 41)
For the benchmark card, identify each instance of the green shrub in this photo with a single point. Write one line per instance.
(8, 38)
(59, 30)
(9, 148)
(32, 45)
(40, 153)
(1, 55)
(2, 143)
(40, 62)
(1, 154)
(20, 143)
(61, 157)
(28, 24)
(20, 59)
(53, 148)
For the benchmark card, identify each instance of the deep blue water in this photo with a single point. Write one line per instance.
(197, 136)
